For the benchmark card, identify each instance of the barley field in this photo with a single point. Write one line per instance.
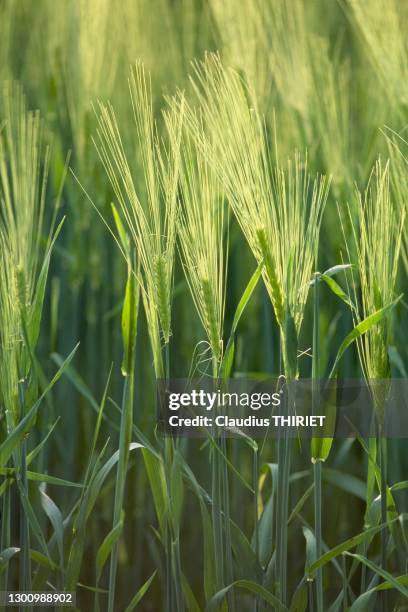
(212, 190)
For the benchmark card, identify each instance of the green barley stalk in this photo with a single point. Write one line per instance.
(271, 201)
(148, 208)
(129, 332)
(377, 237)
(317, 466)
(377, 240)
(24, 164)
(202, 234)
(202, 227)
(279, 210)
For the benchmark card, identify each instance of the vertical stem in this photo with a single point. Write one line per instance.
(25, 565)
(285, 514)
(382, 446)
(216, 503)
(256, 509)
(167, 453)
(317, 467)
(124, 440)
(169, 594)
(317, 474)
(227, 528)
(255, 479)
(5, 533)
(310, 598)
(174, 597)
(345, 583)
(284, 458)
(278, 531)
(284, 449)
(371, 481)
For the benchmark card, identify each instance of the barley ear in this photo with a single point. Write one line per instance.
(210, 318)
(163, 295)
(274, 285)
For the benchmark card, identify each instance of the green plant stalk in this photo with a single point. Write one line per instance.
(284, 457)
(168, 454)
(221, 512)
(382, 447)
(317, 476)
(216, 509)
(278, 526)
(285, 511)
(310, 595)
(124, 441)
(25, 565)
(227, 517)
(169, 595)
(282, 514)
(371, 462)
(5, 533)
(225, 489)
(174, 588)
(345, 585)
(255, 479)
(317, 467)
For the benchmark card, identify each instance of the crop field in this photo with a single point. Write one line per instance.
(212, 191)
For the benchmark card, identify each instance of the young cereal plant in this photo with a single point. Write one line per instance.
(279, 209)
(377, 240)
(24, 165)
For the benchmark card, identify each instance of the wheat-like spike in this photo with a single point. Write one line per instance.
(210, 317)
(278, 207)
(376, 236)
(162, 295)
(148, 205)
(24, 163)
(201, 231)
(21, 289)
(273, 284)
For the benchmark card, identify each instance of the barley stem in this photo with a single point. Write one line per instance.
(317, 476)
(345, 584)
(255, 478)
(5, 533)
(229, 574)
(284, 458)
(124, 440)
(216, 502)
(25, 566)
(382, 447)
(317, 467)
(174, 591)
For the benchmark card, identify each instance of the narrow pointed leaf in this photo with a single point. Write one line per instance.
(397, 584)
(250, 586)
(360, 329)
(366, 535)
(14, 438)
(140, 594)
(106, 547)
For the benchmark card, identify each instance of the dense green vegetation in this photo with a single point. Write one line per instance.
(175, 176)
